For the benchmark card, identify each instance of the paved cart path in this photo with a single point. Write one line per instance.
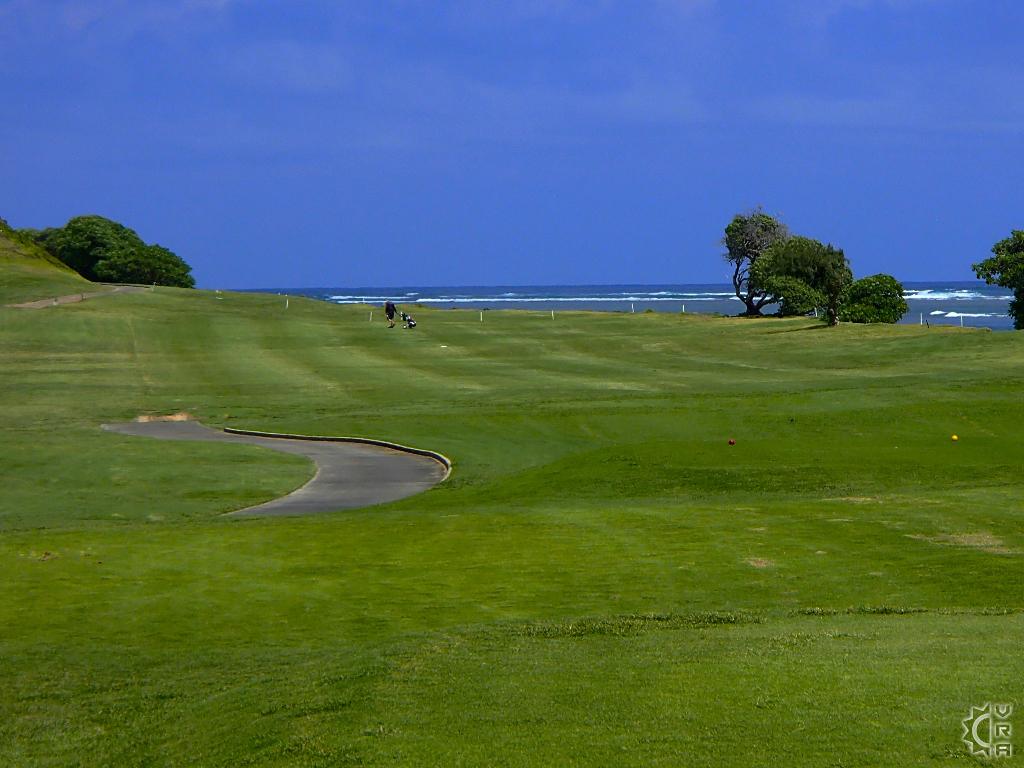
(349, 475)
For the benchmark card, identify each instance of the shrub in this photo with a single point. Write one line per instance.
(795, 296)
(875, 299)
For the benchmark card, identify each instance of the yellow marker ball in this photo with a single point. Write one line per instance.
(955, 438)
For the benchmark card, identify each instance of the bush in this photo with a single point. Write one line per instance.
(875, 299)
(795, 296)
(103, 250)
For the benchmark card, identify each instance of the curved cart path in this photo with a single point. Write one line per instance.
(349, 475)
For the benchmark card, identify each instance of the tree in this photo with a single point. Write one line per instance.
(86, 240)
(1005, 268)
(875, 299)
(812, 273)
(152, 264)
(747, 237)
(835, 277)
(103, 250)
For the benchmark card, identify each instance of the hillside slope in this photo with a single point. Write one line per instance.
(28, 272)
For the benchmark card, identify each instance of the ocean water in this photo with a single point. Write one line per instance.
(971, 304)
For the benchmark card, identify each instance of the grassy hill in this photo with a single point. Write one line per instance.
(603, 581)
(27, 272)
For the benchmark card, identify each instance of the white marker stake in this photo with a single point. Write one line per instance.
(961, 321)
(286, 303)
(552, 314)
(371, 315)
(632, 308)
(684, 309)
(922, 318)
(481, 315)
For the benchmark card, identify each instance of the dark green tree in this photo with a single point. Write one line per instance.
(87, 240)
(834, 278)
(812, 273)
(1005, 268)
(103, 250)
(747, 237)
(151, 264)
(875, 299)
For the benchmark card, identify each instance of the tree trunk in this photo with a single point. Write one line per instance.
(738, 279)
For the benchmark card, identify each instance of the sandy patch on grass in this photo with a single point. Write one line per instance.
(984, 541)
(760, 562)
(40, 556)
(146, 418)
(627, 386)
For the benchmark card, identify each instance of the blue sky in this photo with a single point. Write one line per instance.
(289, 143)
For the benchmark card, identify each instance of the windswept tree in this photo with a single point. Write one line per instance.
(747, 237)
(835, 277)
(803, 274)
(1005, 268)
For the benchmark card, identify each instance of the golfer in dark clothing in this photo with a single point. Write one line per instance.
(389, 313)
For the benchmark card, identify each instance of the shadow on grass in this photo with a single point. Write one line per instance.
(631, 624)
(813, 327)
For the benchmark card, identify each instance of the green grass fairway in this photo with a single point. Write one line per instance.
(604, 581)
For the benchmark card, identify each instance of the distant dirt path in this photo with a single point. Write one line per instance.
(349, 475)
(74, 298)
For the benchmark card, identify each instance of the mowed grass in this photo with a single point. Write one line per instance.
(603, 580)
(29, 273)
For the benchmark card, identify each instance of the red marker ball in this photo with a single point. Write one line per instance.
(731, 441)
